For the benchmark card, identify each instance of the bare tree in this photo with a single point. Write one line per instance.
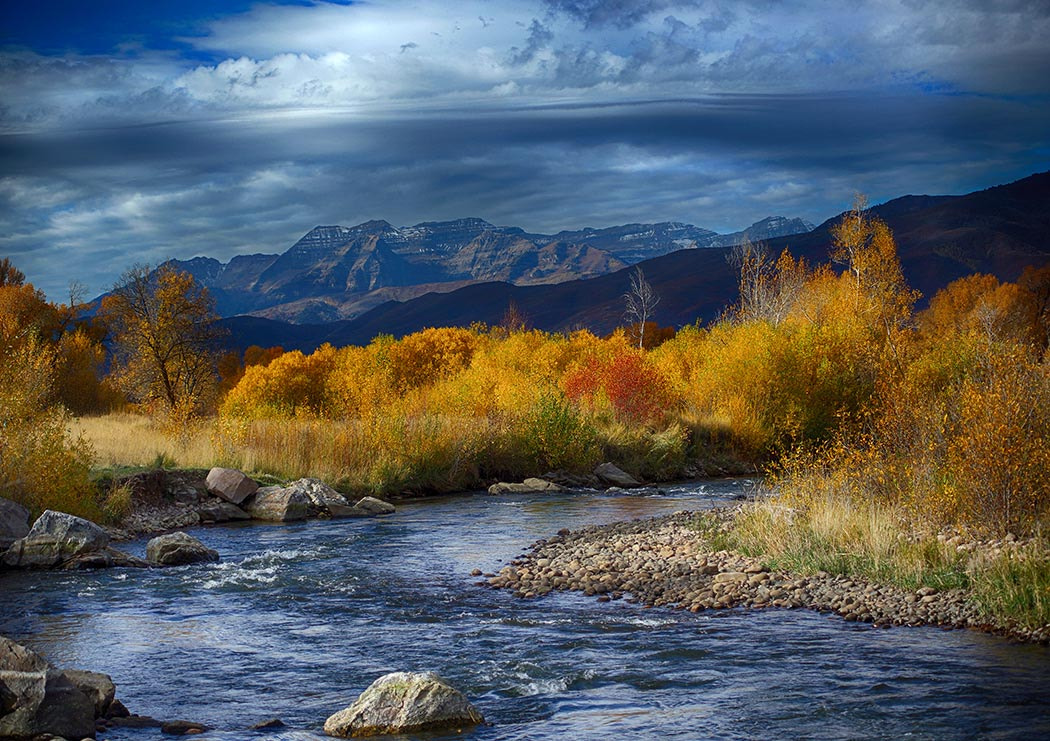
(768, 287)
(640, 301)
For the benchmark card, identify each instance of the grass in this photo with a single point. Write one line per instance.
(1015, 584)
(388, 455)
(835, 535)
(839, 537)
(132, 440)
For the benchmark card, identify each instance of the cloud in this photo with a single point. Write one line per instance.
(546, 115)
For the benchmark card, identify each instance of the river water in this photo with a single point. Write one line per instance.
(297, 619)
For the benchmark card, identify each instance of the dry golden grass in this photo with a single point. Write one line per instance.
(840, 536)
(135, 440)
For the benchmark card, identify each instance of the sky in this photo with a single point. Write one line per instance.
(133, 132)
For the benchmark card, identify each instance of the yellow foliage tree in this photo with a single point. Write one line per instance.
(164, 332)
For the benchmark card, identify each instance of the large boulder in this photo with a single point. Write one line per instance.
(45, 700)
(14, 522)
(279, 504)
(230, 484)
(404, 702)
(176, 549)
(611, 475)
(56, 537)
(321, 495)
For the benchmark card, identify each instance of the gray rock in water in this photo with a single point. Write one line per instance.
(14, 522)
(54, 538)
(177, 549)
(404, 702)
(320, 494)
(221, 511)
(230, 484)
(279, 504)
(611, 475)
(102, 559)
(528, 486)
(374, 506)
(46, 701)
(183, 728)
(267, 725)
(98, 687)
(338, 510)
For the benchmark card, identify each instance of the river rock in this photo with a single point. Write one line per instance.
(279, 504)
(54, 538)
(46, 700)
(218, 510)
(103, 559)
(320, 494)
(230, 484)
(528, 486)
(374, 506)
(177, 549)
(404, 702)
(183, 728)
(98, 687)
(611, 475)
(14, 522)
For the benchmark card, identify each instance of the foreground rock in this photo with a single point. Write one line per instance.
(666, 562)
(60, 540)
(404, 702)
(14, 522)
(611, 475)
(230, 484)
(40, 699)
(279, 504)
(528, 486)
(177, 549)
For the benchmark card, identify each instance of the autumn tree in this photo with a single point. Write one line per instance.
(768, 288)
(640, 301)
(9, 274)
(165, 339)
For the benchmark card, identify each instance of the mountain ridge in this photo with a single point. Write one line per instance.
(330, 272)
(998, 230)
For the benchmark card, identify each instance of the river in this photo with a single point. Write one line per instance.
(297, 619)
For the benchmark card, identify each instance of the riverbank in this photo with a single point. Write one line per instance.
(673, 561)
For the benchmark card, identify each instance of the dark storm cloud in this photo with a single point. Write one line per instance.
(222, 188)
(545, 115)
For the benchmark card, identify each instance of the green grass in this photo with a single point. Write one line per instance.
(1015, 585)
(1011, 587)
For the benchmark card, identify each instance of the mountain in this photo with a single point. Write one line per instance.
(337, 272)
(999, 231)
(770, 227)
